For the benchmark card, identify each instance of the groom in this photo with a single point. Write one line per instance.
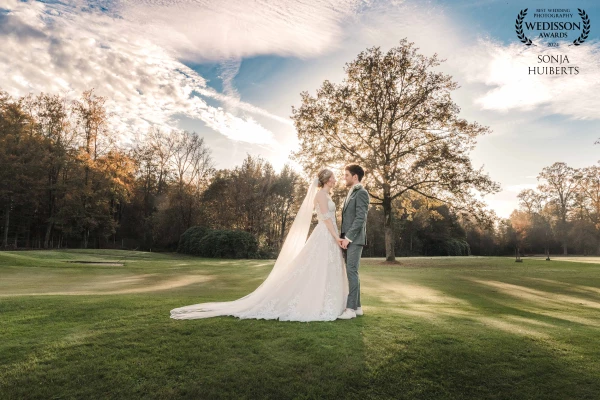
(354, 233)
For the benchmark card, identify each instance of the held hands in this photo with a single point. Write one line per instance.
(342, 242)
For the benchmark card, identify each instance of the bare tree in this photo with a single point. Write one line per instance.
(161, 146)
(191, 160)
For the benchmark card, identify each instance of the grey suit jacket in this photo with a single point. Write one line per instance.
(354, 217)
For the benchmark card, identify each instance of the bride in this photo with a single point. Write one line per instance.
(308, 281)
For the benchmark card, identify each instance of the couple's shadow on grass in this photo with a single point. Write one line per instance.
(384, 355)
(285, 359)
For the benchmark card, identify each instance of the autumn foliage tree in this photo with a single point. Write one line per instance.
(22, 162)
(59, 170)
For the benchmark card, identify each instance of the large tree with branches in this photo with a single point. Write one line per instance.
(394, 115)
(561, 185)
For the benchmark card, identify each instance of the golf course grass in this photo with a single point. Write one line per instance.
(94, 324)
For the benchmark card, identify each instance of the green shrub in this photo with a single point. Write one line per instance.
(457, 247)
(189, 240)
(203, 242)
(228, 244)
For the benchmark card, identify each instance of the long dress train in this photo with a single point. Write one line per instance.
(308, 284)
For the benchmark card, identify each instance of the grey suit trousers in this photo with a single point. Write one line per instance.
(352, 256)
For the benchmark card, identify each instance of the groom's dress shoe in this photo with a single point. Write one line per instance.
(347, 314)
(359, 311)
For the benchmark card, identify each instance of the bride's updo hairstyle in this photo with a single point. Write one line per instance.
(324, 176)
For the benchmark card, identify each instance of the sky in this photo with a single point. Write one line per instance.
(231, 70)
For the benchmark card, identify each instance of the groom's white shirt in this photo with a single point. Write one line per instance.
(347, 197)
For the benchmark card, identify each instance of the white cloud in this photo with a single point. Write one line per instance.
(229, 69)
(202, 30)
(131, 51)
(64, 48)
(132, 55)
(235, 103)
(231, 97)
(493, 75)
(505, 70)
(243, 130)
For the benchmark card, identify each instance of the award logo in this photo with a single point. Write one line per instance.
(547, 26)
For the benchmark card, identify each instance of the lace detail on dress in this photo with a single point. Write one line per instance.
(330, 214)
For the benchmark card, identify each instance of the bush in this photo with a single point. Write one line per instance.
(457, 247)
(228, 244)
(447, 247)
(189, 240)
(203, 242)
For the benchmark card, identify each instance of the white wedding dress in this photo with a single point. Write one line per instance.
(307, 283)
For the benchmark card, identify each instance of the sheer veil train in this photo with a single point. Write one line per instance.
(292, 246)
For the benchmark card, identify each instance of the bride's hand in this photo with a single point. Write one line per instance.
(339, 241)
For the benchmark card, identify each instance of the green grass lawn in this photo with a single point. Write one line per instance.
(434, 328)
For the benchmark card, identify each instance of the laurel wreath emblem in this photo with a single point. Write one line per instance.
(586, 28)
(519, 28)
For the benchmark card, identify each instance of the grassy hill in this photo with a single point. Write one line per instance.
(95, 324)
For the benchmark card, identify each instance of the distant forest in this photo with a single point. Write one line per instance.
(66, 182)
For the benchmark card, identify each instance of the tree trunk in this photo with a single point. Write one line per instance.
(6, 224)
(47, 238)
(387, 225)
(564, 235)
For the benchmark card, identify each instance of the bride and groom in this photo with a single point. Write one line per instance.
(314, 279)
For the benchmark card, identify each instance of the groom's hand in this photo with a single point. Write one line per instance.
(345, 243)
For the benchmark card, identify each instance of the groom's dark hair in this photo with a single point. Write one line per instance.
(356, 169)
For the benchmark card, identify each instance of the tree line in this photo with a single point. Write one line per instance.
(65, 181)
(561, 215)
